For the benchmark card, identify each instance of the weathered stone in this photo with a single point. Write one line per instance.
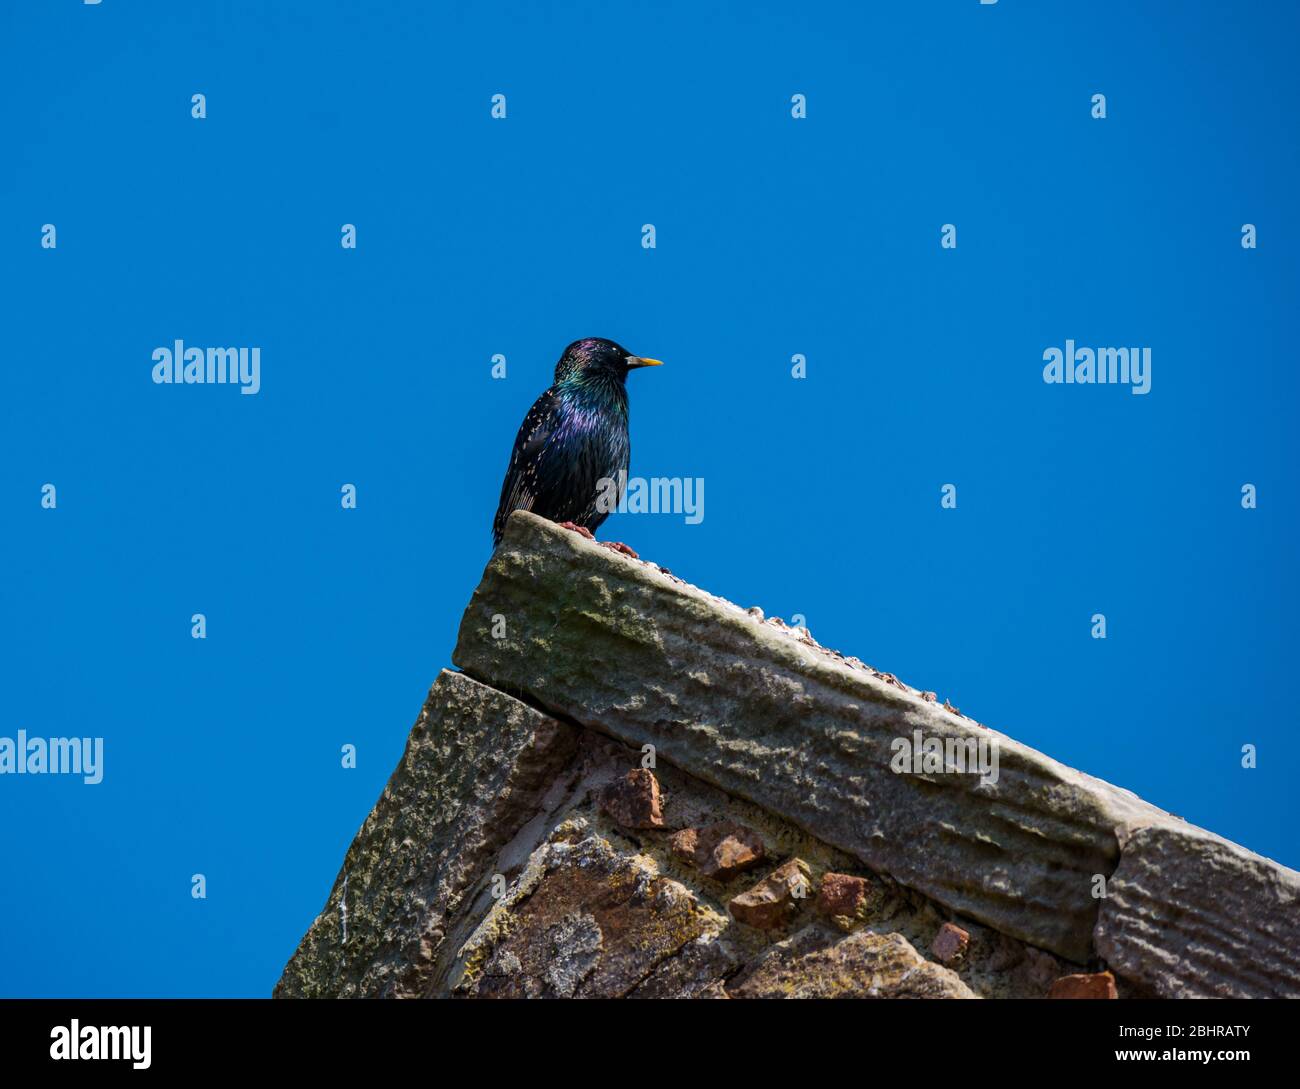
(950, 943)
(685, 843)
(477, 767)
(1037, 970)
(633, 800)
(576, 943)
(587, 920)
(1188, 914)
(864, 964)
(698, 971)
(767, 739)
(774, 900)
(567, 927)
(764, 713)
(721, 850)
(841, 895)
(1085, 985)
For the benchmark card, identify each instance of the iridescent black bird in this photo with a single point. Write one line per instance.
(573, 439)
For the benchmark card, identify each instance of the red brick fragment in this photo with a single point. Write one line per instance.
(1089, 985)
(775, 899)
(633, 800)
(950, 943)
(841, 894)
(721, 851)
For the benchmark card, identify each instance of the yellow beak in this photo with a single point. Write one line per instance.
(642, 361)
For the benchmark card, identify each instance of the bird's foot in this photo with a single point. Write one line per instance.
(613, 546)
(618, 546)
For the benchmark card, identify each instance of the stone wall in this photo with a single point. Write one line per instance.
(636, 789)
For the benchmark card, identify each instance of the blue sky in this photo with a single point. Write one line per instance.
(476, 236)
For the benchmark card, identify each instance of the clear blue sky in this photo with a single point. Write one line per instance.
(475, 236)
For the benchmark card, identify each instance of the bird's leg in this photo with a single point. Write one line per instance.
(581, 531)
(613, 546)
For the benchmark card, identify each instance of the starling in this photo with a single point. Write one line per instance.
(573, 439)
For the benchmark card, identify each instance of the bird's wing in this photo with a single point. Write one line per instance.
(521, 487)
